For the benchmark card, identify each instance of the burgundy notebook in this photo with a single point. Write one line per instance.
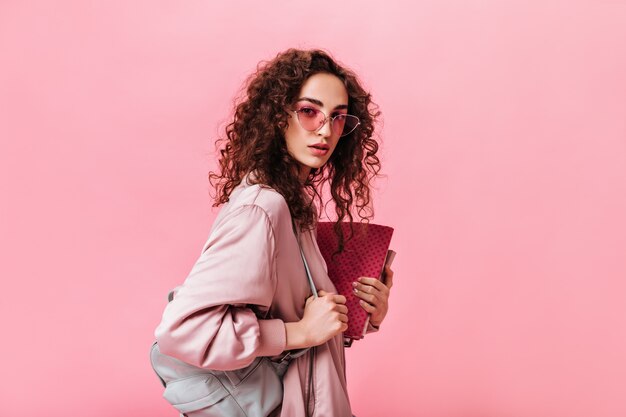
(364, 256)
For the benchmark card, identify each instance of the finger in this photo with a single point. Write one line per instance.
(370, 298)
(329, 295)
(341, 308)
(343, 318)
(367, 306)
(373, 282)
(367, 296)
(368, 289)
(339, 299)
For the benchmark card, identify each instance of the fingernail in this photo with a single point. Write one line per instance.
(355, 291)
(354, 284)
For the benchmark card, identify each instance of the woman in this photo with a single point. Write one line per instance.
(305, 121)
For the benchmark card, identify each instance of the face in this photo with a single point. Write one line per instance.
(326, 93)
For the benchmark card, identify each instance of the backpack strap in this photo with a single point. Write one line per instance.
(292, 354)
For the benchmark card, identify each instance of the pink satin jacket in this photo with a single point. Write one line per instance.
(251, 262)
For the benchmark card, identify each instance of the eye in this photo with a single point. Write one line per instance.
(308, 111)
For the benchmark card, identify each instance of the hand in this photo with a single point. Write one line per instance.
(324, 317)
(374, 295)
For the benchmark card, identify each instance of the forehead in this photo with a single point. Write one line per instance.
(327, 88)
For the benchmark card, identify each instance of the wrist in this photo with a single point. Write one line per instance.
(296, 336)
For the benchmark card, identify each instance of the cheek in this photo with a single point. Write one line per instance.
(290, 140)
(292, 136)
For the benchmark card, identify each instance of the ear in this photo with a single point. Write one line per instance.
(283, 125)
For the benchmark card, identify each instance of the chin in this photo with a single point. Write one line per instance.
(316, 165)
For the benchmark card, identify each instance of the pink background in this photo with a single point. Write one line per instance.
(504, 145)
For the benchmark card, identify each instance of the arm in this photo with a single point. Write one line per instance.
(296, 336)
(208, 323)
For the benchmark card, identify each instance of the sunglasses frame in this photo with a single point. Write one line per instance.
(326, 118)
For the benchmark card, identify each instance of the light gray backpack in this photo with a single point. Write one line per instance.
(253, 391)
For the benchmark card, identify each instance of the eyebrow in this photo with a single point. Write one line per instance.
(319, 103)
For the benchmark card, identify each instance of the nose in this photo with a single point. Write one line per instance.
(325, 129)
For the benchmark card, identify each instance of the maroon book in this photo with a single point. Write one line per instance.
(365, 255)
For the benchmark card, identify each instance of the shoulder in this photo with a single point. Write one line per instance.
(258, 196)
(254, 212)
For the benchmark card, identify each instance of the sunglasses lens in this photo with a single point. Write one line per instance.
(310, 119)
(348, 124)
(339, 123)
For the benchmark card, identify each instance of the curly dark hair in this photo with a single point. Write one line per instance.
(255, 141)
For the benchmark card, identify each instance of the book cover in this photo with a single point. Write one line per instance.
(364, 255)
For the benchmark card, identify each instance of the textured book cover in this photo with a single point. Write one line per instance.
(364, 256)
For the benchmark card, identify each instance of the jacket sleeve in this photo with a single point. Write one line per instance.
(209, 322)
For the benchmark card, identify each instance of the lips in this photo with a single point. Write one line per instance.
(319, 149)
(321, 146)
